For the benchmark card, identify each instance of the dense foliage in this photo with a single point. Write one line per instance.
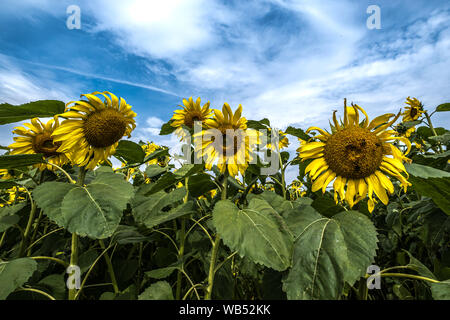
(155, 229)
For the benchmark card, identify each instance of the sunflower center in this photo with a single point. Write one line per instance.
(43, 143)
(413, 112)
(104, 128)
(354, 153)
(191, 117)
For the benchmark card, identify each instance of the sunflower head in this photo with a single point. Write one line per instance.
(296, 189)
(190, 113)
(413, 110)
(228, 140)
(283, 141)
(403, 130)
(36, 137)
(358, 156)
(93, 128)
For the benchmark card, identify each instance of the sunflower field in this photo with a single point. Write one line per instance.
(367, 218)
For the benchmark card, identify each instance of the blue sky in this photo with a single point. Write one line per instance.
(291, 61)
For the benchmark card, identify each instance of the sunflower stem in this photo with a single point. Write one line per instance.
(433, 130)
(283, 179)
(112, 275)
(215, 246)
(74, 246)
(28, 227)
(182, 242)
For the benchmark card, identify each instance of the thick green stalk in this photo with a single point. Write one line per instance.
(433, 130)
(283, 179)
(74, 246)
(73, 261)
(28, 227)
(112, 275)
(215, 247)
(182, 242)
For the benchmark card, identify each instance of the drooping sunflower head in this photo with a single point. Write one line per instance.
(36, 137)
(403, 130)
(93, 128)
(296, 189)
(190, 113)
(283, 141)
(358, 156)
(228, 140)
(413, 110)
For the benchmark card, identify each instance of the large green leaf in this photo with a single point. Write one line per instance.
(254, 232)
(15, 273)
(328, 252)
(154, 209)
(130, 152)
(160, 290)
(20, 160)
(431, 182)
(36, 109)
(94, 210)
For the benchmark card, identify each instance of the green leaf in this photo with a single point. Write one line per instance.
(187, 170)
(127, 234)
(129, 152)
(441, 291)
(431, 182)
(8, 216)
(154, 209)
(254, 232)
(153, 170)
(199, 184)
(257, 125)
(14, 274)
(36, 109)
(94, 210)
(20, 160)
(160, 290)
(157, 154)
(166, 128)
(299, 133)
(443, 107)
(326, 206)
(328, 252)
(162, 273)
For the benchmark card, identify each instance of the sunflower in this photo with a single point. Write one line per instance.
(15, 194)
(38, 139)
(283, 141)
(413, 111)
(359, 156)
(94, 128)
(191, 112)
(151, 147)
(296, 189)
(5, 174)
(404, 131)
(233, 146)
